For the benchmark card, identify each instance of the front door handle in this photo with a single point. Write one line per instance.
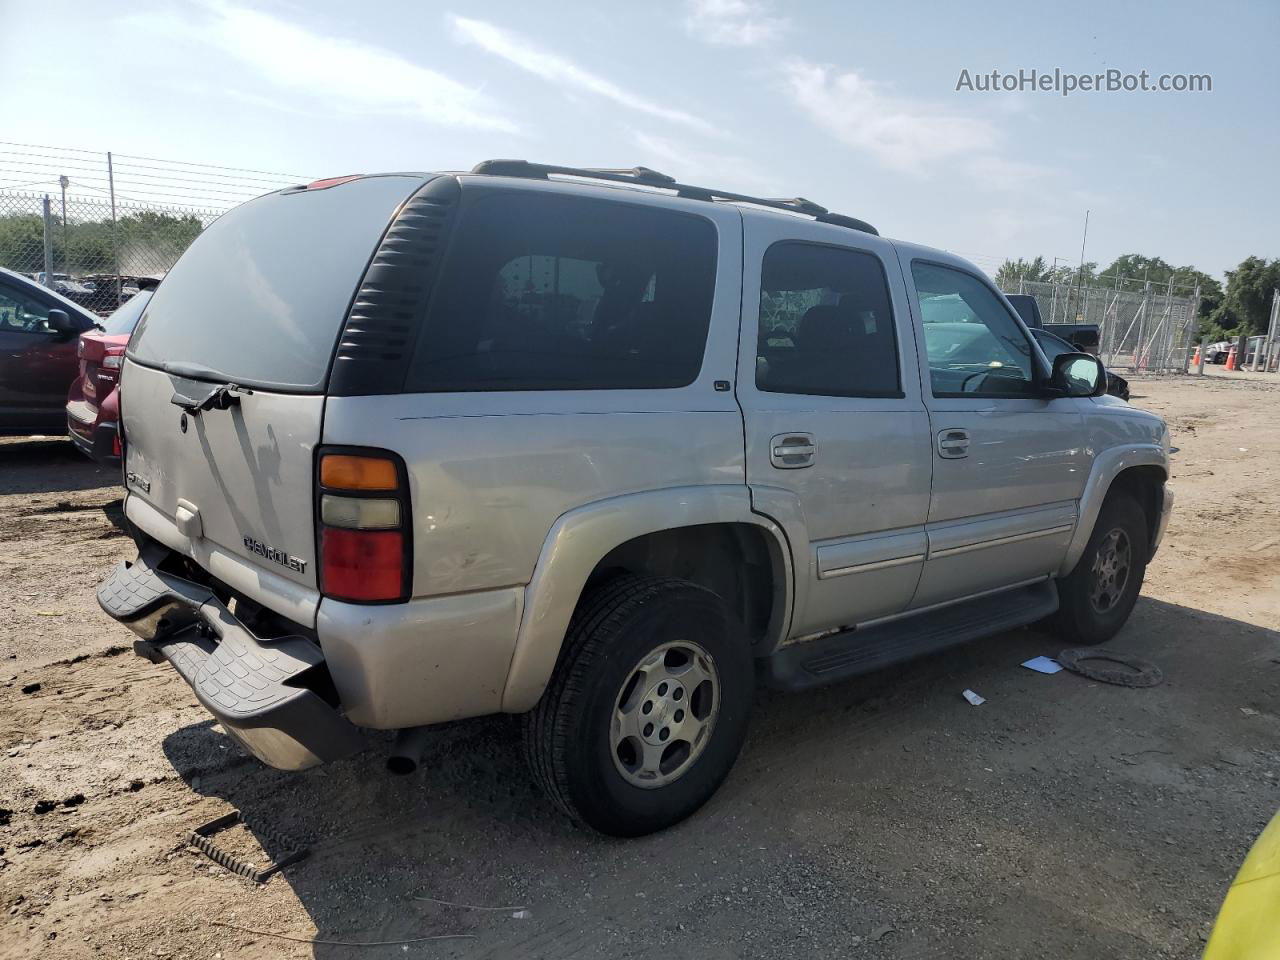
(790, 451)
(953, 443)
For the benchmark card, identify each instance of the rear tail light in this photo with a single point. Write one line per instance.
(112, 361)
(364, 531)
(363, 513)
(349, 472)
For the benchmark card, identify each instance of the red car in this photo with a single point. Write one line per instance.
(38, 333)
(93, 407)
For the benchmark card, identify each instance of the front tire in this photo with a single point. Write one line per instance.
(647, 708)
(1096, 598)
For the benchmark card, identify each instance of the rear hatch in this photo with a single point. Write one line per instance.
(258, 301)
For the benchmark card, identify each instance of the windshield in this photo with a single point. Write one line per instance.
(126, 317)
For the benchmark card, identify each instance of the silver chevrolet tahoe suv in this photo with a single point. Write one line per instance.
(600, 449)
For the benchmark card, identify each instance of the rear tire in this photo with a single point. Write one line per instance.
(646, 710)
(1097, 596)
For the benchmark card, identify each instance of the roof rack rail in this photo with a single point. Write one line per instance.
(643, 176)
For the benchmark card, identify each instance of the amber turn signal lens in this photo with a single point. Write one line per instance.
(343, 472)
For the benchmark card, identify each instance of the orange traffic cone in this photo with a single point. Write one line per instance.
(1195, 359)
(1231, 358)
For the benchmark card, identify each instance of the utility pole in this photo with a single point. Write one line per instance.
(48, 244)
(1080, 272)
(66, 250)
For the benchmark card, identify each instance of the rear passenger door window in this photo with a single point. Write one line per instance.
(544, 292)
(826, 327)
(973, 344)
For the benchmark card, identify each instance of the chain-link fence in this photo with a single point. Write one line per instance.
(1142, 327)
(94, 253)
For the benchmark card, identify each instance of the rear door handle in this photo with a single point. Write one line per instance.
(953, 443)
(790, 451)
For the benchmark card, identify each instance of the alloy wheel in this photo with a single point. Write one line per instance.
(664, 714)
(1111, 566)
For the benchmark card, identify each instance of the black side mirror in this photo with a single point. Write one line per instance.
(1078, 375)
(60, 323)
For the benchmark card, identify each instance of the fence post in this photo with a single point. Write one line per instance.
(1193, 325)
(63, 182)
(1262, 355)
(1166, 361)
(115, 238)
(1139, 363)
(1273, 331)
(48, 244)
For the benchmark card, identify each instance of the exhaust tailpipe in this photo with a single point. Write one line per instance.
(407, 752)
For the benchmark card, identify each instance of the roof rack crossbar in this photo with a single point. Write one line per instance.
(644, 176)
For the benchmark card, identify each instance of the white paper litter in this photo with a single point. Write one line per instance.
(1042, 665)
(973, 698)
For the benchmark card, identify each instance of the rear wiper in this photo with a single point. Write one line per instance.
(222, 394)
(194, 371)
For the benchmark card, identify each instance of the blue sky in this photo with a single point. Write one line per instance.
(853, 105)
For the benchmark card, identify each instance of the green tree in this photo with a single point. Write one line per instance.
(143, 242)
(1086, 274)
(1134, 266)
(1250, 288)
(1012, 271)
(22, 243)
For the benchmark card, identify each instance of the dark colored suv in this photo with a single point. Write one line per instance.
(39, 330)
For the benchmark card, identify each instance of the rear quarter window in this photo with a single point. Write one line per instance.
(550, 292)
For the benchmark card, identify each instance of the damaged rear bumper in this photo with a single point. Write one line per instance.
(264, 692)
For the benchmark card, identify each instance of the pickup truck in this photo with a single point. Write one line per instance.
(1082, 335)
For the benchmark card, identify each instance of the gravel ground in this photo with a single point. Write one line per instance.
(884, 817)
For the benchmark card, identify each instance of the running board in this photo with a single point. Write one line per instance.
(851, 652)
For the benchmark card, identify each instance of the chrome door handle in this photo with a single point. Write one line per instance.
(789, 451)
(953, 444)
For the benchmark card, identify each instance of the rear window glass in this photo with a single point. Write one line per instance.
(261, 295)
(544, 292)
(125, 318)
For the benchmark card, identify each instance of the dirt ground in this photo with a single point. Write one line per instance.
(884, 817)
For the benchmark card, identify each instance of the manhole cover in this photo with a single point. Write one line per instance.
(1108, 666)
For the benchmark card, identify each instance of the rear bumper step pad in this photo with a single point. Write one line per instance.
(255, 688)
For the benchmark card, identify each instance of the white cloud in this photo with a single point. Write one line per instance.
(901, 134)
(564, 73)
(343, 73)
(733, 23)
(908, 136)
(691, 165)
